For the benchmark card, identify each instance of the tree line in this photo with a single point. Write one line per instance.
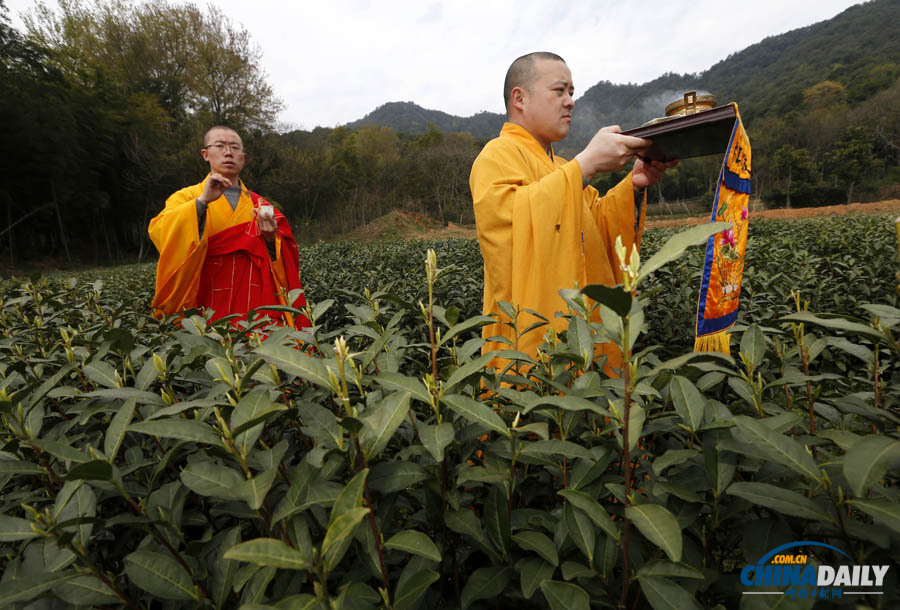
(103, 106)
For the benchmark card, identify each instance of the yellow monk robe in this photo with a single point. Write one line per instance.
(185, 269)
(541, 231)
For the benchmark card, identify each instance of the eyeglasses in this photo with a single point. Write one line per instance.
(221, 146)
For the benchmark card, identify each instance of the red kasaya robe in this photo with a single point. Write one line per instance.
(227, 268)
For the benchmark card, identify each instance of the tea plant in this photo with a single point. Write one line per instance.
(374, 461)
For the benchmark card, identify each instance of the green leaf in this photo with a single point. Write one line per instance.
(614, 297)
(532, 572)
(659, 526)
(465, 522)
(469, 368)
(62, 451)
(496, 519)
(469, 324)
(19, 467)
(338, 532)
(410, 591)
(476, 412)
(139, 396)
(753, 345)
(539, 543)
(485, 583)
(565, 595)
(838, 323)
(182, 429)
(254, 490)
(101, 373)
(416, 543)
(382, 421)
(689, 403)
(777, 447)
(581, 531)
(159, 575)
(221, 580)
(295, 362)
(115, 434)
(555, 449)
(350, 497)
(390, 477)
(662, 568)
(248, 417)
(402, 383)
(437, 438)
(886, 512)
(677, 244)
(322, 423)
(85, 590)
(868, 459)
(673, 457)
(779, 500)
(29, 587)
(593, 509)
(209, 479)
(269, 552)
(14, 528)
(95, 470)
(664, 594)
(567, 403)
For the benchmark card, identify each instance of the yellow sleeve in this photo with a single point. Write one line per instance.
(614, 215)
(182, 251)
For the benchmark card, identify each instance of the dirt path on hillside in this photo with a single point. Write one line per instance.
(891, 206)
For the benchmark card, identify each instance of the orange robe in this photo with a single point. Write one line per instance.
(540, 231)
(227, 268)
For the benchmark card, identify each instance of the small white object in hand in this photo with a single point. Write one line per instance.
(266, 212)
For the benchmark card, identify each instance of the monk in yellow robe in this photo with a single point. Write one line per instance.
(222, 246)
(540, 226)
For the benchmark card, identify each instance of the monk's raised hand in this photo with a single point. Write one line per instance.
(267, 227)
(214, 188)
(609, 151)
(647, 173)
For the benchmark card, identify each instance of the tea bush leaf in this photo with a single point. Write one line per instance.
(659, 526)
(476, 412)
(338, 533)
(485, 583)
(160, 575)
(412, 590)
(14, 528)
(209, 479)
(466, 523)
(581, 531)
(669, 569)
(531, 540)
(592, 509)
(269, 552)
(677, 244)
(29, 587)
(565, 595)
(415, 543)
(555, 448)
(435, 439)
(95, 470)
(778, 499)
(778, 448)
(886, 512)
(688, 402)
(532, 572)
(390, 477)
(381, 423)
(115, 434)
(294, 362)
(181, 429)
(402, 383)
(101, 373)
(663, 594)
(85, 591)
(867, 461)
(854, 328)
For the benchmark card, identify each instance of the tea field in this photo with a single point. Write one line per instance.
(374, 461)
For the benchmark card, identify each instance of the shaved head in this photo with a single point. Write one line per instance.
(522, 73)
(215, 127)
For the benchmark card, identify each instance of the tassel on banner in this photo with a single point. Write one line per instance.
(716, 342)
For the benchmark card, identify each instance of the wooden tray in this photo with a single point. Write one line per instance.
(693, 135)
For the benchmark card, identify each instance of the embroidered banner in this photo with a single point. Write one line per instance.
(723, 267)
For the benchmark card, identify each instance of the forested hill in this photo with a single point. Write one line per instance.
(408, 117)
(858, 49)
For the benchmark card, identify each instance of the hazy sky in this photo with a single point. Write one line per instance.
(333, 61)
